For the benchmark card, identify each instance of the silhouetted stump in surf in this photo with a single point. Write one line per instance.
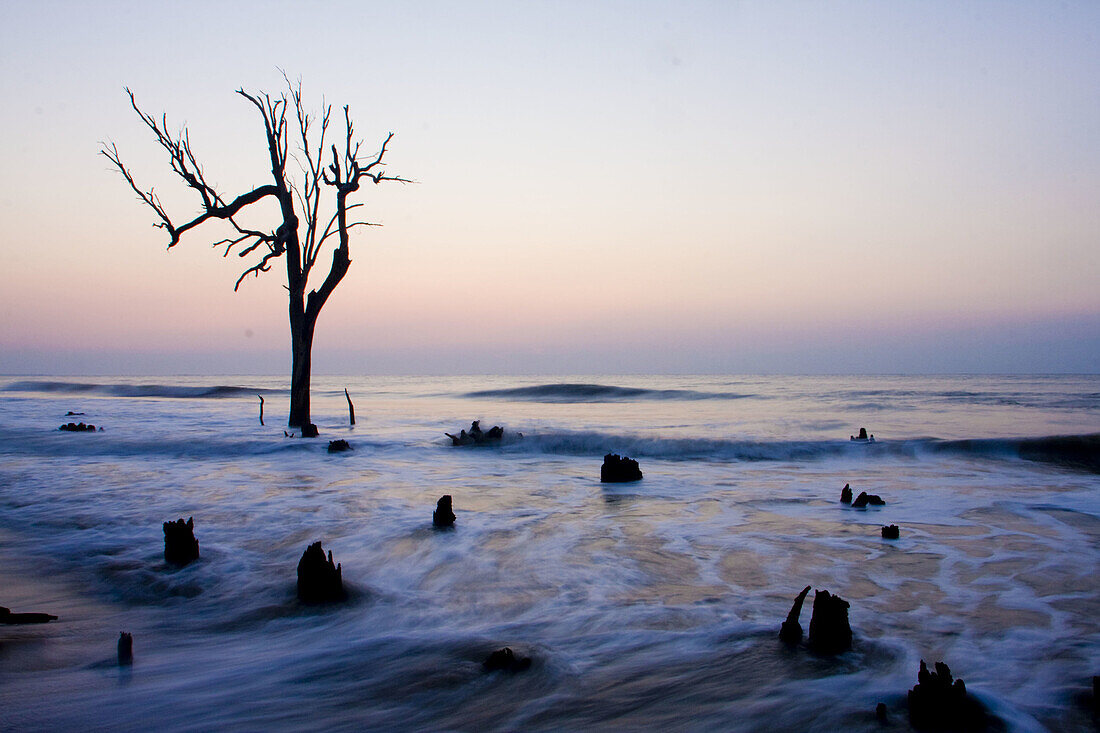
(846, 494)
(891, 532)
(13, 619)
(880, 713)
(477, 436)
(70, 413)
(309, 431)
(619, 469)
(937, 703)
(125, 648)
(505, 660)
(443, 516)
(829, 629)
(180, 545)
(319, 579)
(77, 427)
(864, 499)
(791, 631)
(338, 446)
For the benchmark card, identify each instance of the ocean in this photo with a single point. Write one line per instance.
(652, 605)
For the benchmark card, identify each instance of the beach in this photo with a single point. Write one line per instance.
(647, 605)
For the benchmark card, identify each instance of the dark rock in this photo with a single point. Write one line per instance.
(890, 532)
(309, 431)
(180, 545)
(338, 446)
(880, 713)
(319, 578)
(125, 648)
(77, 428)
(791, 630)
(619, 469)
(443, 516)
(937, 703)
(7, 617)
(829, 629)
(846, 494)
(864, 499)
(477, 436)
(505, 660)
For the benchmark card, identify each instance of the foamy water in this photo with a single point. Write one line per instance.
(652, 605)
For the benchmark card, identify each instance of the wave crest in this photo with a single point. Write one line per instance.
(580, 392)
(136, 390)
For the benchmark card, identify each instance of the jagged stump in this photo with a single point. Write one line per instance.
(938, 703)
(830, 632)
(180, 545)
(619, 469)
(505, 660)
(319, 578)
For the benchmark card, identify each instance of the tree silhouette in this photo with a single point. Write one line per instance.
(304, 198)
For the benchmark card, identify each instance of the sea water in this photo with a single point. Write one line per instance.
(649, 605)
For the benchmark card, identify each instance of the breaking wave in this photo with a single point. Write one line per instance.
(578, 392)
(136, 390)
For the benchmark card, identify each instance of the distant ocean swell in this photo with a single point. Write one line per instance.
(136, 390)
(1075, 451)
(599, 393)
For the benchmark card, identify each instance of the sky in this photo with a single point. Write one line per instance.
(601, 187)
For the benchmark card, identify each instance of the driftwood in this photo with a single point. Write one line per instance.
(7, 617)
(477, 436)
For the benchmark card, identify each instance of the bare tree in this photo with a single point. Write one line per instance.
(301, 230)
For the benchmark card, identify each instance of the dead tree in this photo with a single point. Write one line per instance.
(306, 190)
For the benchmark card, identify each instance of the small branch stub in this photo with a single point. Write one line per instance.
(351, 407)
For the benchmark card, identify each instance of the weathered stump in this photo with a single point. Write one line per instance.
(443, 516)
(791, 630)
(619, 469)
(180, 545)
(891, 532)
(937, 703)
(505, 660)
(77, 428)
(125, 648)
(830, 632)
(864, 499)
(846, 494)
(338, 446)
(309, 431)
(319, 578)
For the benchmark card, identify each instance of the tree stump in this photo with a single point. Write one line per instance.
(443, 516)
(830, 632)
(180, 545)
(619, 469)
(319, 578)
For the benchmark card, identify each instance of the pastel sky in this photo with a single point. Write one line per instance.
(800, 187)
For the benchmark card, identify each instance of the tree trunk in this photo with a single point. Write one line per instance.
(301, 337)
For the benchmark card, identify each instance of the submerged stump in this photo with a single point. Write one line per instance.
(444, 515)
(125, 648)
(864, 499)
(338, 446)
(846, 494)
(180, 545)
(830, 632)
(505, 660)
(319, 578)
(938, 703)
(618, 469)
(891, 532)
